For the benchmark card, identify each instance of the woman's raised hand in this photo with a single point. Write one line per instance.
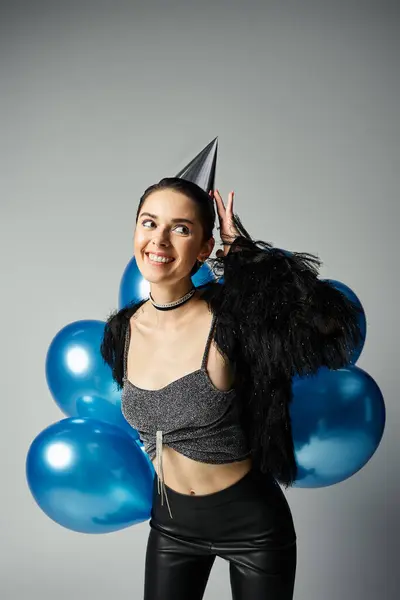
(228, 231)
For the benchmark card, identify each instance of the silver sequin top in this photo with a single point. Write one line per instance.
(189, 414)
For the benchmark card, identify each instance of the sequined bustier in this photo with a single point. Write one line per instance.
(189, 414)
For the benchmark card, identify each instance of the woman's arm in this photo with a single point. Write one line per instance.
(276, 295)
(276, 319)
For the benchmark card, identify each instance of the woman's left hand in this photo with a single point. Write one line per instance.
(228, 231)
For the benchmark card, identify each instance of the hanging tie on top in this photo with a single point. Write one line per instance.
(160, 471)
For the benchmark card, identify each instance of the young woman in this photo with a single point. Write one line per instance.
(206, 380)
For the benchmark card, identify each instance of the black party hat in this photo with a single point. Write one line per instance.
(201, 169)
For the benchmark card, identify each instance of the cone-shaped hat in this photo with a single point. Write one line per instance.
(201, 170)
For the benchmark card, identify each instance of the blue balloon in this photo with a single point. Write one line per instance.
(79, 380)
(362, 321)
(89, 476)
(134, 288)
(204, 275)
(338, 418)
(141, 446)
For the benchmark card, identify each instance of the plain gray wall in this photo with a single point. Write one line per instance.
(100, 100)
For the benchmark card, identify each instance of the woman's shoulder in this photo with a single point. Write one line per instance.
(120, 316)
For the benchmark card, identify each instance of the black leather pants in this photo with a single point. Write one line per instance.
(248, 524)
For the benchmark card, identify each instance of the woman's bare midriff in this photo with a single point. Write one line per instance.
(188, 476)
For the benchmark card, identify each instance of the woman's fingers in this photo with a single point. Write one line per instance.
(220, 204)
(218, 197)
(227, 228)
(225, 214)
(229, 207)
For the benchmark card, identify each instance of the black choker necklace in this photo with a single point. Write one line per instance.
(175, 303)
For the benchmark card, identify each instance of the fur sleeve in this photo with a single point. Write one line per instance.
(113, 342)
(277, 319)
(112, 346)
(300, 322)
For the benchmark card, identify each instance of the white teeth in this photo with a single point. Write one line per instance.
(162, 259)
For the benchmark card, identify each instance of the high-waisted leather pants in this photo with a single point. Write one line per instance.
(248, 524)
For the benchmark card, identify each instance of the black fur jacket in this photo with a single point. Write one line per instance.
(275, 319)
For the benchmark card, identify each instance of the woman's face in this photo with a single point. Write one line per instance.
(168, 225)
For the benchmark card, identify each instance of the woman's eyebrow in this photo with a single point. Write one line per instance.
(182, 220)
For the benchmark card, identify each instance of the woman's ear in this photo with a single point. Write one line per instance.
(207, 249)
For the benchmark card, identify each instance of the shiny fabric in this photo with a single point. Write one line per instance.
(248, 524)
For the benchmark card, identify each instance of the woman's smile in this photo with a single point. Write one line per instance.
(153, 259)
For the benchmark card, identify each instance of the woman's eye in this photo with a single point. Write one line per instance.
(186, 229)
(146, 221)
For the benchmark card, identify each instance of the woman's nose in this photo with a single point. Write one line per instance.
(162, 239)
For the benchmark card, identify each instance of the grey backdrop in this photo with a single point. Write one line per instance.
(98, 101)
